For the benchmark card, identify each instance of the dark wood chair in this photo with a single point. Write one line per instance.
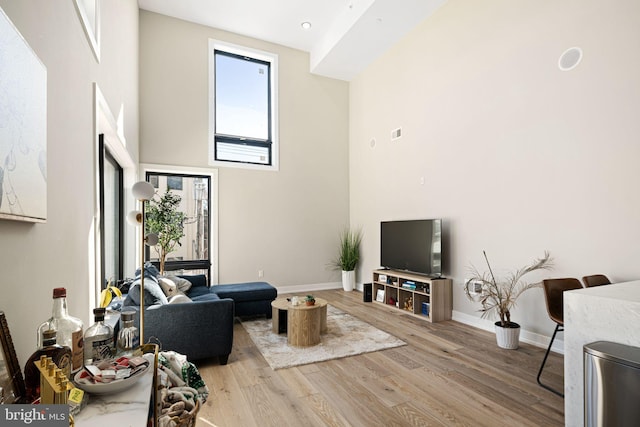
(554, 297)
(595, 280)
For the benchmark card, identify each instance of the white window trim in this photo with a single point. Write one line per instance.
(213, 204)
(114, 140)
(253, 53)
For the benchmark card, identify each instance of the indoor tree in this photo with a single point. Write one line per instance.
(164, 218)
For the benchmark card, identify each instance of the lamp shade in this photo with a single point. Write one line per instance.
(151, 239)
(142, 190)
(134, 218)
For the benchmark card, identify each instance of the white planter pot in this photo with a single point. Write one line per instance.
(508, 338)
(348, 280)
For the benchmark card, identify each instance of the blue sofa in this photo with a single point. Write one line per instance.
(202, 328)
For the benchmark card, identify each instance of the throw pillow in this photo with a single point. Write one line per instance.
(179, 299)
(168, 286)
(183, 284)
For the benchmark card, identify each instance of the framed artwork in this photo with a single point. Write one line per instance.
(12, 388)
(380, 295)
(89, 11)
(23, 128)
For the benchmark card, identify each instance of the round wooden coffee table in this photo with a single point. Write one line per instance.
(304, 323)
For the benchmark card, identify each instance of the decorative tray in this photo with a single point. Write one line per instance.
(111, 376)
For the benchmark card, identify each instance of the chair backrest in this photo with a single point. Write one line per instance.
(595, 280)
(553, 294)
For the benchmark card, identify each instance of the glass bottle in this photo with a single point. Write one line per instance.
(69, 329)
(128, 337)
(98, 340)
(61, 356)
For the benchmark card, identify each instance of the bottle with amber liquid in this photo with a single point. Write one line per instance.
(60, 355)
(69, 329)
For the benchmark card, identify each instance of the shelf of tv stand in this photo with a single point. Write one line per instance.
(437, 293)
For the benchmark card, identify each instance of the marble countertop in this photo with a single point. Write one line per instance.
(129, 408)
(602, 313)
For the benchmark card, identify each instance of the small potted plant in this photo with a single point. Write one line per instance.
(348, 257)
(310, 300)
(500, 296)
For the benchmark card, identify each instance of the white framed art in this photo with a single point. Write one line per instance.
(89, 11)
(23, 128)
(380, 295)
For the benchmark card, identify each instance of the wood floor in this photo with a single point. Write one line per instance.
(449, 374)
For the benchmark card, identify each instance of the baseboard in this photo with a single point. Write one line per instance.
(525, 336)
(294, 289)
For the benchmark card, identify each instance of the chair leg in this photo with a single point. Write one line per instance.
(558, 328)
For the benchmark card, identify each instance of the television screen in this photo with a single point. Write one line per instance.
(414, 245)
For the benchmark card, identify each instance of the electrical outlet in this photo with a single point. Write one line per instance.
(260, 273)
(474, 286)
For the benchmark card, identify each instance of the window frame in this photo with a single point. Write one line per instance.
(258, 56)
(212, 175)
(106, 156)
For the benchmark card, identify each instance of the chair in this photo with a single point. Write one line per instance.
(595, 280)
(553, 294)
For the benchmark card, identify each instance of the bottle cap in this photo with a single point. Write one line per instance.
(49, 337)
(59, 293)
(127, 316)
(98, 313)
(49, 334)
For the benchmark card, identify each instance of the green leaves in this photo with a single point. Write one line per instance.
(164, 218)
(349, 250)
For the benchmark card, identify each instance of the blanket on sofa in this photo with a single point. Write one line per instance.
(158, 289)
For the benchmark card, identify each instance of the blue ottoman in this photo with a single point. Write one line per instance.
(250, 299)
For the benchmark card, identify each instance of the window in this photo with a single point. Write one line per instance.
(195, 254)
(243, 120)
(111, 212)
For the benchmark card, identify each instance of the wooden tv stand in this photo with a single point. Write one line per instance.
(433, 296)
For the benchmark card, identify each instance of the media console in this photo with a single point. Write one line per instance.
(428, 299)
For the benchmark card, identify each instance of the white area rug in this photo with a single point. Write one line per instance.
(346, 336)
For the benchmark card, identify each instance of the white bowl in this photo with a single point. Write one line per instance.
(107, 388)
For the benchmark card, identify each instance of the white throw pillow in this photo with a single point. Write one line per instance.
(179, 299)
(168, 286)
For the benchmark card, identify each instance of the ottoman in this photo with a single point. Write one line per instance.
(250, 299)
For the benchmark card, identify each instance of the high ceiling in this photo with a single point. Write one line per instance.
(345, 35)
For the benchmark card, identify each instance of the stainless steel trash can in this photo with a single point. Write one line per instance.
(611, 385)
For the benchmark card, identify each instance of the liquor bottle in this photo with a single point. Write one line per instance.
(69, 329)
(60, 355)
(98, 340)
(128, 337)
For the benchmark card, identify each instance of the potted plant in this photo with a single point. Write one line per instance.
(500, 296)
(348, 257)
(164, 219)
(310, 300)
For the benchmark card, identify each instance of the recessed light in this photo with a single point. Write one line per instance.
(306, 25)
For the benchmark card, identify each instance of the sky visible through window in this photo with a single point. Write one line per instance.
(242, 98)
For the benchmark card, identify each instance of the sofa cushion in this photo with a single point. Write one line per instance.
(252, 291)
(205, 297)
(196, 280)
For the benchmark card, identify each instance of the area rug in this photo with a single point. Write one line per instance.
(346, 336)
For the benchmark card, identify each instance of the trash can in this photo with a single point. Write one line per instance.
(611, 385)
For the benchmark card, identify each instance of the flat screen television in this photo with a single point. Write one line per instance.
(413, 245)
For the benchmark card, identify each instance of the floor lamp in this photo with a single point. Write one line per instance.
(143, 192)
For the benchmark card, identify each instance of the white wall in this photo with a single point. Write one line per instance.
(285, 223)
(35, 258)
(518, 156)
